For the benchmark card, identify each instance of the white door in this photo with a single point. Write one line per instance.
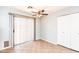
(67, 31)
(24, 30)
(64, 31)
(75, 32)
(60, 25)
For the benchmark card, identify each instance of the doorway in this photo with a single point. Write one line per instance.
(23, 30)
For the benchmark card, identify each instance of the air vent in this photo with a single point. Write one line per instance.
(6, 43)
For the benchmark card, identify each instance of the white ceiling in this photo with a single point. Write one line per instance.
(48, 9)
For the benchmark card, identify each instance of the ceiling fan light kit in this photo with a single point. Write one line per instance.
(37, 12)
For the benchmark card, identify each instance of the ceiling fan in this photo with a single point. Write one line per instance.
(37, 12)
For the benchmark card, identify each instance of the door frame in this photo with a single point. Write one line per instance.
(12, 15)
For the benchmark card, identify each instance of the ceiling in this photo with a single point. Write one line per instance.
(48, 9)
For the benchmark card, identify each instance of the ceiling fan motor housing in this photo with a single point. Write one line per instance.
(42, 10)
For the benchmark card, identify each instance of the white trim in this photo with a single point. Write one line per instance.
(11, 18)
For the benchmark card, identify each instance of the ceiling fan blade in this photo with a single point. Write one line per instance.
(44, 14)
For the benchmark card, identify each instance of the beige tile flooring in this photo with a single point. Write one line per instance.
(38, 46)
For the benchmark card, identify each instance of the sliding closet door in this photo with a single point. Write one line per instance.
(64, 31)
(75, 32)
(24, 30)
(61, 36)
(67, 31)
